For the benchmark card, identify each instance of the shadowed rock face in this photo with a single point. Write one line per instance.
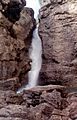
(12, 9)
(15, 39)
(58, 23)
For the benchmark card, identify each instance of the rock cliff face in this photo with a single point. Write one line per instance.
(16, 26)
(58, 31)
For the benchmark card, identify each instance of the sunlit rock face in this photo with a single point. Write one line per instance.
(58, 31)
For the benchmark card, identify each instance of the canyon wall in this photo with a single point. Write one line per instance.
(16, 27)
(58, 34)
(58, 31)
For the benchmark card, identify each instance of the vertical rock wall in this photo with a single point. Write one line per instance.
(58, 31)
(49, 102)
(16, 26)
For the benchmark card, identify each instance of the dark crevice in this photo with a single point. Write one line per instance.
(12, 10)
(12, 33)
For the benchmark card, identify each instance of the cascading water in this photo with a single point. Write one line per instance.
(35, 5)
(35, 51)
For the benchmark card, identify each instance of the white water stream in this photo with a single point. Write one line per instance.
(35, 51)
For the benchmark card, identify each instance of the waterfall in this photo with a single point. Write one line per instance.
(35, 5)
(35, 51)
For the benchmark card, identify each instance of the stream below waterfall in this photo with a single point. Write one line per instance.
(35, 51)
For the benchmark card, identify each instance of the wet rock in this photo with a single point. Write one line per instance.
(46, 88)
(48, 94)
(59, 37)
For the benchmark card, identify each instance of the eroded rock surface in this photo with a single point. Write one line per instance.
(58, 31)
(16, 27)
(31, 104)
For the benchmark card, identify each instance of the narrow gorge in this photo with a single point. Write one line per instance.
(38, 60)
(35, 50)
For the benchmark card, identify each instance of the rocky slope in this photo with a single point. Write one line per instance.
(16, 26)
(39, 103)
(58, 31)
